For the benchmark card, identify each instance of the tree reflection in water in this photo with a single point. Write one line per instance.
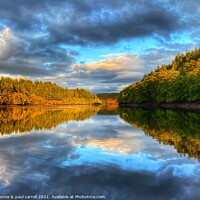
(23, 119)
(177, 128)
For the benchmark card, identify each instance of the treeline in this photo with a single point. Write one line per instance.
(20, 120)
(25, 92)
(176, 128)
(109, 98)
(176, 82)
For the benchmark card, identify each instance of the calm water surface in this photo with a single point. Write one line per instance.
(125, 154)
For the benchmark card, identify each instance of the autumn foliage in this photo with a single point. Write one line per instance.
(26, 92)
(108, 98)
(22, 119)
(176, 82)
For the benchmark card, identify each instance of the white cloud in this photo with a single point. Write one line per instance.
(8, 43)
(14, 76)
(113, 55)
(113, 62)
(128, 75)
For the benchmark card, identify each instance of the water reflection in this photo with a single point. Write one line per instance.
(108, 110)
(176, 128)
(22, 119)
(100, 155)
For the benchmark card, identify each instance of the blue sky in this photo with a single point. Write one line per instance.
(99, 45)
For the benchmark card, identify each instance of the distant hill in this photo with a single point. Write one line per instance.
(108, 98)
(26, 92)
(176, 82)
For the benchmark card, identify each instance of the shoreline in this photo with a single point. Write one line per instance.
(188, 106)
(46, 105)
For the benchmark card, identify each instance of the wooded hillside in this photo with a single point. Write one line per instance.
(176, 82)
(108, 98)
(25, 92)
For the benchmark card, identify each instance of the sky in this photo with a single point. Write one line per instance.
(98, 45)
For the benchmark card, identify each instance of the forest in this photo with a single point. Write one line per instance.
(108, 98)
(26, 92)
(176, 82)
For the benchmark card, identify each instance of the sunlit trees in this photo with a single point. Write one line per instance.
(108, 98)
(25, 92)
(178, 81)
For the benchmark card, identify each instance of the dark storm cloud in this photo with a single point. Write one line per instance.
(107, 24)
(23, 70)
(44, 25)
(89, 22)
(29, 58)
(37, 63)
(34, 55)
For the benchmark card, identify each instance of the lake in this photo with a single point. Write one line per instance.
(83, 152)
